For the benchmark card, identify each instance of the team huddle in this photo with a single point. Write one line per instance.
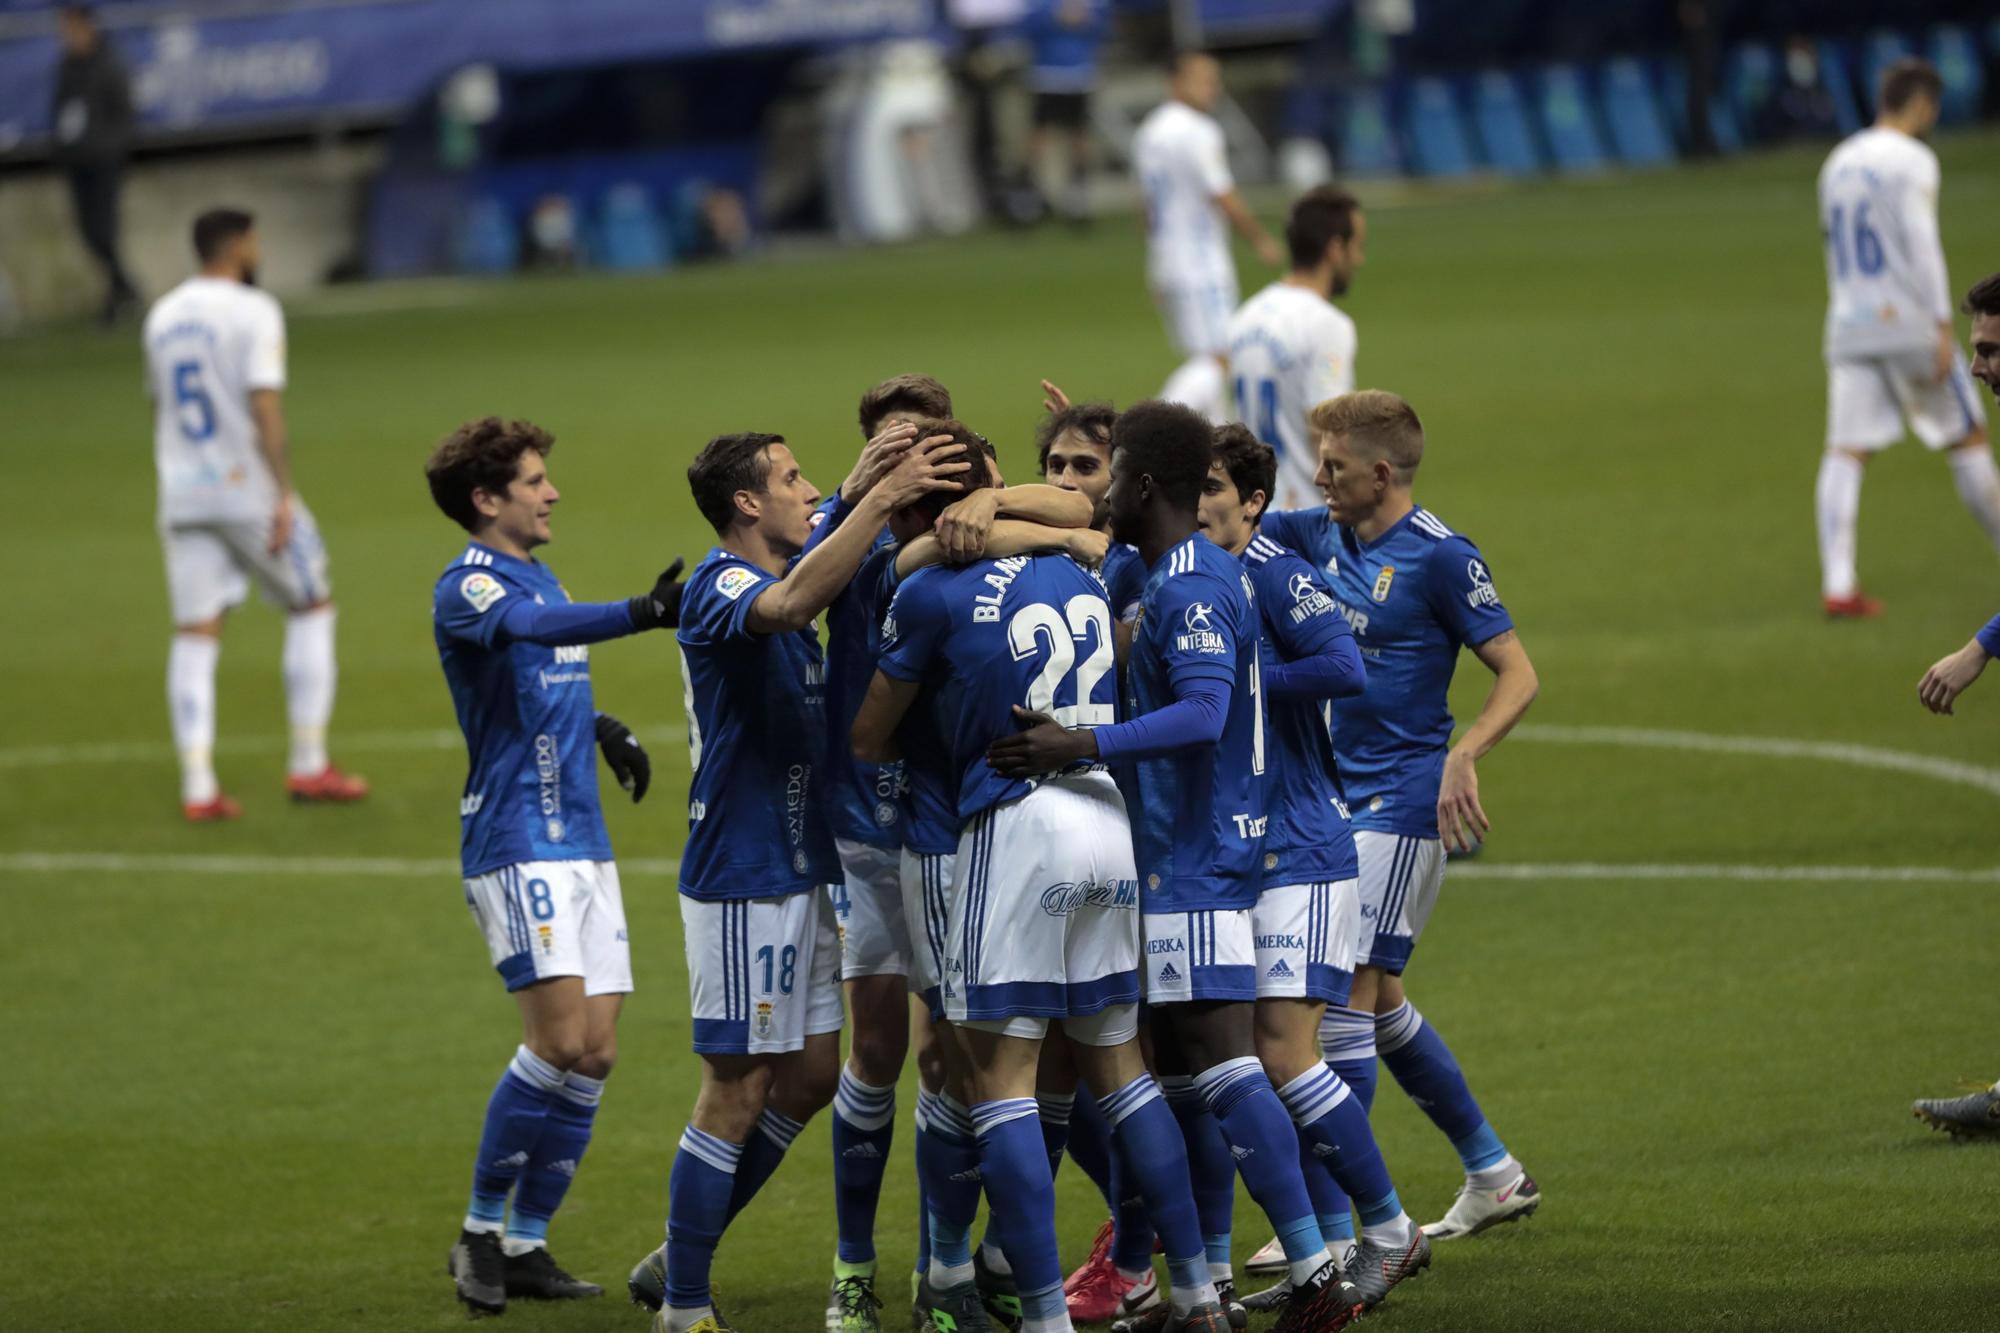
(1120, 799)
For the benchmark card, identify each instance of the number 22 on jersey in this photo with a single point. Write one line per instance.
(1038, 627)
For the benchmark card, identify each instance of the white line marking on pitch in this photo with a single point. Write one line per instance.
(129, 752)
(393, 867)
(1771, 747)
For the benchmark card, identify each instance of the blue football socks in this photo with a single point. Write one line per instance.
(553, 1163)
(1427, 1071)
(1265, 1146)
(864, 1130)
(516, 1115)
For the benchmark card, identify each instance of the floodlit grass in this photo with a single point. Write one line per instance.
(250, 1099)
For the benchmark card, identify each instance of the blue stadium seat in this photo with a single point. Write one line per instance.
(488, 240)
(1956, 56)
(1837, 73)
(1638, 135)
(629, 231)
(1500, 118)
(1436, 131)
(1749, 84)
(1569, 123)
(1368, 134)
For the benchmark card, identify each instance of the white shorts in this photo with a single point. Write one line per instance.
(1307, 936)
(1197, 316)
(1400, 879)
(763, 973)
(1867, 402)
(547, 919)
(210, 566)
(1200, 956)
(927, 880)
(1044, 914)
(868, 906)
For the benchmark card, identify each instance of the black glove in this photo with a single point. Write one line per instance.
(622, 752)
(660, 608)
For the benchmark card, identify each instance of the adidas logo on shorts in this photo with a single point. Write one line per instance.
(1170, 973)
(1239, 1152)
(1279, 972)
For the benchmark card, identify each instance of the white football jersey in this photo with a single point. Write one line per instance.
(1290, 350)
(1183, 165)
(210, 342)
(1886, 285)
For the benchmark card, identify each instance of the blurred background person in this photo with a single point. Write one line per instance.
(93, 137)
(1064, 40)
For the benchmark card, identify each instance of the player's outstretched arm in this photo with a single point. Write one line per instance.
(1462, 822)
(811, 585)
(1335, 672)
(1195, 718)
(874, 736)
(1951, 676)
(963, 527)
(1010, 537)
(1248, 227)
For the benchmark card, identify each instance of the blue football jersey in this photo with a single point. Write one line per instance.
(1124, 576)
(1414, 596)
(864, 801)
(1309, 840)
(529, 720)
(1198, 816)
(1033, 630)
(756, 706)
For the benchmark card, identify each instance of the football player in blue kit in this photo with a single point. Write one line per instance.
(1308, 916)
(1415, 592)
(1190, 759)
(763, 958)
(533, 849)
(1041, 921)
(878, 954)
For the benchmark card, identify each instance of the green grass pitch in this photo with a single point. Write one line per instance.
(244, 1092)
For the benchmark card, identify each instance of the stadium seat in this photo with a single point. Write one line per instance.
(1436, 130)
(1956, 56)
(488, 240)
(1569, 123)
(1500, 119)
(1749, 83)
(1625, 90)
(1368, 134)
(629, 232)
(1837, 71)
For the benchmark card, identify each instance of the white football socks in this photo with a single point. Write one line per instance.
(1495, 1176)
(191, 704)
(1837, 500)
(1978, 482)
(1198, 384)
(309, 681)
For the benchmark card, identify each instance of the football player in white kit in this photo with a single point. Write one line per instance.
(1290, 347)
(1891, 354)
(1183, 167)
(215, 369)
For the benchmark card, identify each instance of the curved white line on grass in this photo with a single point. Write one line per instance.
(392, 867)
(1771, 747)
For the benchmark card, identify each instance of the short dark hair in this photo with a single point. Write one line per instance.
(1903, 79)
(1252, 465)
(81, 12)
(978, 478)
(217, 228)
(1182, 55)
(912, 395)
(728, 464)
(1319, 217)
(1984, 298)
(1093, 421)
(481, 455)
(1171, 444)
